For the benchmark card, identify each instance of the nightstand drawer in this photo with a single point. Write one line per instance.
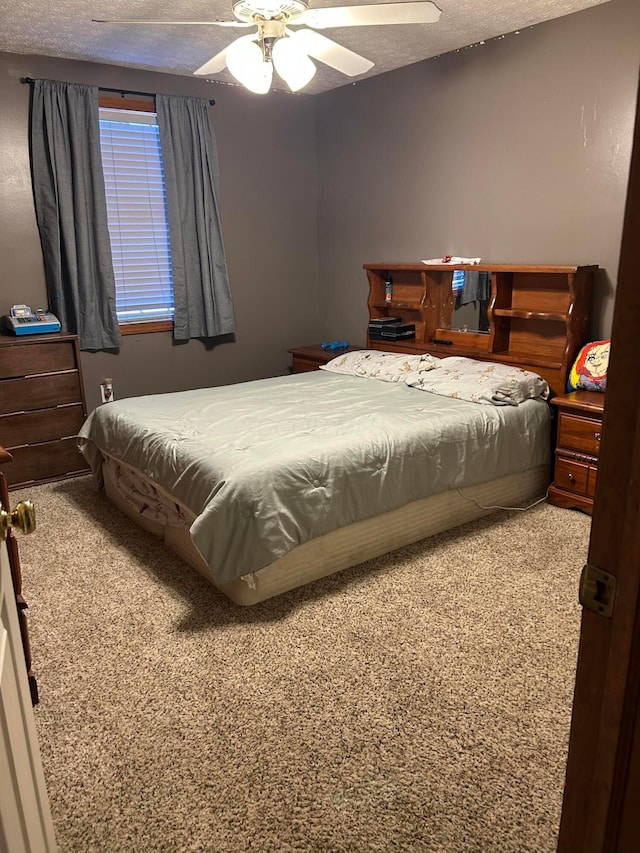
(303, 365)
(591, 482)
(582, 434)
(572, 476)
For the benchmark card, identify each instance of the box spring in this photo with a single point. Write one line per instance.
(347, 545)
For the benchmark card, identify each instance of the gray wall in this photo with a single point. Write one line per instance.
(268, 203)
(514, 151)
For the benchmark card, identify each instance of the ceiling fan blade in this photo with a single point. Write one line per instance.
(219, 61)
(363, 16)
(215, 64)
(175, 23)
(331, 53)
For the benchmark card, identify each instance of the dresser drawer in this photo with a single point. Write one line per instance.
(591, 482)
(572, 476)
(39, 392)
(27, 359)
(46, 461)
(577, 433)
(47, 425)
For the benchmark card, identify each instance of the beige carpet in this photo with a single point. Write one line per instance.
(419, 702)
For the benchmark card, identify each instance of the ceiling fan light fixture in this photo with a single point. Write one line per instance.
(292, 63)
(246, 62)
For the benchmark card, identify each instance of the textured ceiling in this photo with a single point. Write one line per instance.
(64, 29)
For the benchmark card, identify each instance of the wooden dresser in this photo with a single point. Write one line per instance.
(42, 407)
(579, 434)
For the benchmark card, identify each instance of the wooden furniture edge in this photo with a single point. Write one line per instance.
(567, 500)
(16, 579)
(486, 267)
(579, 401)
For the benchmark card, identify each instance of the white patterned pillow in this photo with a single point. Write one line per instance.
(375, 364)
(481, 382)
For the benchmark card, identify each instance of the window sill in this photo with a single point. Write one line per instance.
(146, 328)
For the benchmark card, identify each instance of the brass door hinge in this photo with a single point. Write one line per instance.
(597, 590)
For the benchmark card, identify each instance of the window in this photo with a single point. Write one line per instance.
(137, 217)
(457, 282)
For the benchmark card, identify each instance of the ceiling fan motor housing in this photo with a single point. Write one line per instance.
(268, 33)
(252, 11)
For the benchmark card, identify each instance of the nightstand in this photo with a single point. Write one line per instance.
(577, 449)
(311, 357)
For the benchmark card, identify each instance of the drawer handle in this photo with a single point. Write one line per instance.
(571, 477)
(596, 435)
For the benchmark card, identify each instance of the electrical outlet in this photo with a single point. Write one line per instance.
(106, 391)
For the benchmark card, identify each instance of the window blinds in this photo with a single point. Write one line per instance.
(137, 215)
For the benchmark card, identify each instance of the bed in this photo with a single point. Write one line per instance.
(264, 486)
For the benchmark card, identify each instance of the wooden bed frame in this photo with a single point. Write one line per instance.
(538, 319)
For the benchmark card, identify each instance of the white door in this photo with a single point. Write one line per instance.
(25, 816)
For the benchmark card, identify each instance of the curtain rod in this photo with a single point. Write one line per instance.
(122, 92)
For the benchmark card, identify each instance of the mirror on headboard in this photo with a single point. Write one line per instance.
(471, 296)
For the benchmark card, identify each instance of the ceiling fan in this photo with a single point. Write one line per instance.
(286, 38)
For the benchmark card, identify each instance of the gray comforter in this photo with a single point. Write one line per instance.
(268, 465)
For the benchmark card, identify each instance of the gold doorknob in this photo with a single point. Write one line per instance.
(23, 517)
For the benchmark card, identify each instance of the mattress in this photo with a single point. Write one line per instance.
(259, 469)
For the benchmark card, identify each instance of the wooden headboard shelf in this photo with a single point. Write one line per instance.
(538, 316)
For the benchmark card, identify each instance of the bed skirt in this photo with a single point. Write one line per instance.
(346, 546)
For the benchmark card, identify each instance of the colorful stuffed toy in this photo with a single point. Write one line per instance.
(589, 370)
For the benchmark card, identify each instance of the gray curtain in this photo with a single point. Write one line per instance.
(68, 188)
(202, 299)
(477, 287)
